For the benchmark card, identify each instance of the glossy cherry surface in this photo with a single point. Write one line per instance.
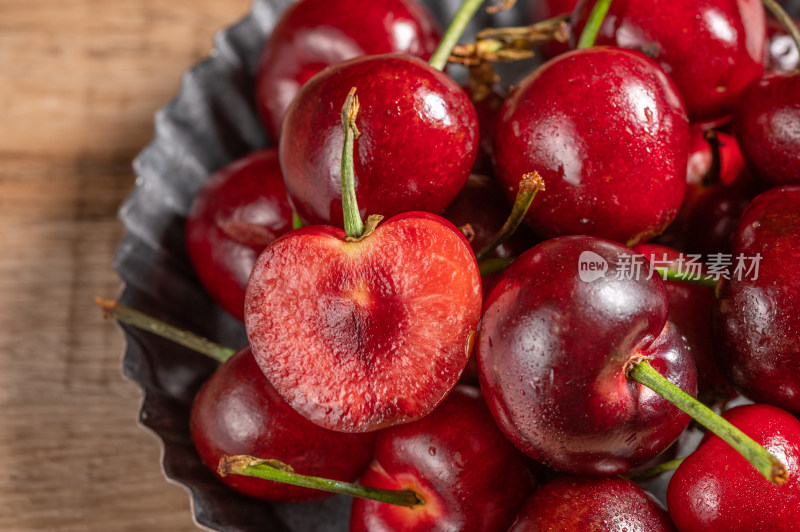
(712, 48)
(607, 131)
(782, 52)
(716, 490)
(757, 318)
(419, 139)
(471, 478)
(553, 352)
(238, 412)
(237, 212)
(767, 124)
(358, 336)
(314, 34)
(591, 504)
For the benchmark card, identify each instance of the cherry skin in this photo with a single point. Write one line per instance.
(767, 124)
(589, 504)
(757, 320)
(711, 49)
(715, 489)
(358, 336)
(235, 214)
(238, 412)
(419, 139)
(314, 34)
(553, 352)
(471, 478)
(690, 309)
(606, 130)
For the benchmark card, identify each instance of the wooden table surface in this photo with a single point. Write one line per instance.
(80, 81)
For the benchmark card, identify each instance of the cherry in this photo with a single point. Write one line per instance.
(714, 161)
(238, 412)
(716, 490)
(554, 350)
(767, 125)
(314, 34)
(541, 10)
(369, 327)
(606, 130)
(757, 319)
(588, 504)
(690, 309)
(470, 477)
(235, 214)
(419, 139)
(711, 49)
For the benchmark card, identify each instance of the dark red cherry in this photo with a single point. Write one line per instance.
(555, 343)
(607, 131)
(767, 125)
(716, 490)
(314, 34)
(711, 49)
(236, 213)
(690, 308)
(590, 504)
(419, 139)
(470, 477)
(757, 316)
(238, 412)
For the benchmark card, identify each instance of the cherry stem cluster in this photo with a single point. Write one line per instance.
(279, 472)
(593, 24)
(765, 462)
(125, 314)
(454, 32)
(775, 8)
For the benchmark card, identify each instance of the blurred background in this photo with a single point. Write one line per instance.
(80, 81)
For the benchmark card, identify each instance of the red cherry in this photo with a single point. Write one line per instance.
(606, 130)
(419, 139)
(470, 477)
(553, 352)
(711, 49)
(314, 34)
(716, 490)
(782, 52)
(541, 10)
(238, 412)
(358, 336)
(236, 213)
(757, 319)
(589, 504)
(767, 125)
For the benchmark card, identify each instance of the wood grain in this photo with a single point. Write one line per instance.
(80, 81)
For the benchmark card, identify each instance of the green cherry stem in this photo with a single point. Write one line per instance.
(279, 472)
(529, 186)
(775, 8)
(125, 314)
(297, 223)
(497, 265)
(592, 28)
(669, 465)
(765, 462)
(454, 32)
(667, 274)
(353, 226)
